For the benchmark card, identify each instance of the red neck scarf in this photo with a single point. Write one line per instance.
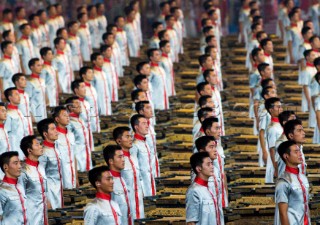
(115, 173)
(309, 64)
(164, 55)
(59, 52)
(7, 57)
(294, 25)
(33, 75)
(106, 60)
(12, 107)
(47, 63)
(200, 181)
(97, 69)
(119, 29)
(87, 84)
(154, 64)
(103, 196)
(21, 91)
(48, 144)
(266, 54)
(10, 180)
(83, 25)
(2, 126)
(72, 35)
(31, 162)
(126, 153)
(62, 130)
(139, 137)
(72, 114)
(292, 170)
(275, 119)
(24, 37)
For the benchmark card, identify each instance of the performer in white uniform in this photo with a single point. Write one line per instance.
(85, 39)
(167, 64)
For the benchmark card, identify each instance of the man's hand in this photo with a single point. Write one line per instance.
(265, 156)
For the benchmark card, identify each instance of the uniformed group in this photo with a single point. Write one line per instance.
(280, 133)
(85, 58)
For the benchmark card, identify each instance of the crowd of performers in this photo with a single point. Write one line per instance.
(85, 58)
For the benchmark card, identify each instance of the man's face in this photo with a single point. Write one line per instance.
(37, 67)
(36, 148)
(36, 21)
(144, 85)
(108, 53)
(106, 182)
(142, 127)
(3, 113)
(141, 97)
(27, 30)
(89, 75)
(170, 22)
(272, 93)
(207, 90)
(52, 134)
(212, 150)
(81, 90)
(309, 34)
(295, 156)
(269, 46)
(63, 118)
(15, 97)
(126, 140)
(43, 17)
(213, 78)
(76, 106)
(156, 56)
(215, 131)
(260, 57)
(14, 167)
(206, 168)
(74, 28)
(11, 37)
(316, 43)
(208, 63)
(166, 36)
(64, 34)
(118, 160)
(213, 53)
(9, 16)
(146, 70)
(61, 45)
(147, 111)
(120, 22)
(209, 103)
(22, 82)
(99, 61)
(49, 56)
(159, 28)
(9, 49)
(166, 49)
(298, 134)
(312, 57)
(276, 109)
(267, 72)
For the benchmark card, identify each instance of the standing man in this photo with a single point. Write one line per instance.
(33, 179)
(131, 171)
(132, 33)
(85, 39)
(167, 64)
(61, 64)
(141, 151)
(102, 210)
(114, 157)
(201, 204)
(292, 188)
(12, 194)
(121, 39)
(4, 139)
(74, 42)
(102, 20)
(15, 124)
(36, 91)
(51, 162)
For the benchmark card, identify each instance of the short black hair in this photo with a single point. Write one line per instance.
(6, 157)
(202, 59)
(71, 23)
(208, 49)
(135, 94)
(203, 141)
(18, 9)
(255, 52)
(127, 10)
(44, 51)
(316, 61)
(208, 38)
(265, 82)
(106, 35)
(134, 120)
(32, 16)
(117, 18)
(32, 62)
(284, 148)
(207, 123)
(206, 73)
(265, 91)
(197, 159)
(140, 65)
(203, 112)
(69, 102)
(118, 132)
(289, 127)
(6, 11)
(204, 21)
(163, 43)
(200, 86)
(94, 56)
(76, 84)
(307, 53)
(291, 13)
(264, 42)
(313, 38)
(163, 4)
(284, 116)
(269, 103)
(138, 79)
(16, 77)
(317, 77)
(305, 30)
(203, 100)
(104, 47)
(156, 24)
(161, 34)
(206, 29)
(151, 51)
(254, 26)
(26, 143)
(84, 70)
(168, 17)
(90, 7)
(6, 33)
(57, 41)
(260, 33)
(80, 15)
(110, 27)
(262, 67)
(109, 152)
(43, 126)
(4, 45)
(23, 26)
(8, 92)
(59, 31)
(57, 110)
(95, 174)
(140, 105)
